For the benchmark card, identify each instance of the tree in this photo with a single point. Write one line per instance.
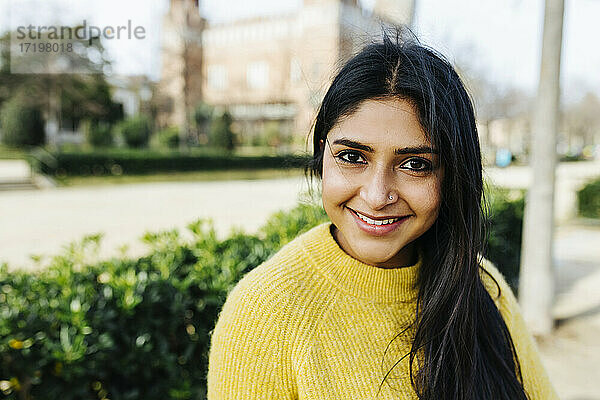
(70, 98)
(181, 83)
(491, 101)
(582, 121)
(203, 115)
(89, 98)
(221, 134)
(98, 134)
(536, 284)
(22, 124)
(136, 131)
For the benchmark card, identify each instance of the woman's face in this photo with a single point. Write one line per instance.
(378, 151)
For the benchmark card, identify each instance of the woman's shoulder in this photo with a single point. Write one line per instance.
(283, 266)
(495, 283)
(263, 325)
(500, 291)
(535, 379)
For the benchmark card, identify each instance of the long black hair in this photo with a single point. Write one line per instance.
(461, 348)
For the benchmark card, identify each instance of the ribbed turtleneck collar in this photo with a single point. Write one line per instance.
(381, 285)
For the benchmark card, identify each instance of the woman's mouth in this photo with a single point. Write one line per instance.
(377, 227)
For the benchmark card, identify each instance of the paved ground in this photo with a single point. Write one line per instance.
(572, 353)
(14, 169)
(570, 177)
(41, 222)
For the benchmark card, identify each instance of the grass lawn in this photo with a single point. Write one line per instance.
(10, 153)
(180, 177)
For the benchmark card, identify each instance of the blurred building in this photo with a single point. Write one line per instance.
(180, 86)
(133, 91)
(271, 69)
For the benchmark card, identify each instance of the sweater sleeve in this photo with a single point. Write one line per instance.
(249, 352)
(535, 379)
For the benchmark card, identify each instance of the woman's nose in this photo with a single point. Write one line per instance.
(376, 189)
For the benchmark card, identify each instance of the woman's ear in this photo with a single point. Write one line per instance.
(321, 144)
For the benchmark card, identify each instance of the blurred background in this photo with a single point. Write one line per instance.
(151, 153)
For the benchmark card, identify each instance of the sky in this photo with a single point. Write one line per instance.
(496, 39)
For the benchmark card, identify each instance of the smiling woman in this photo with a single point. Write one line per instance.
(391, 299)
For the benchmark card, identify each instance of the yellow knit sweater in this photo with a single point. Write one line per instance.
(314, 323)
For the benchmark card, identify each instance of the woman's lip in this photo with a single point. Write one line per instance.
(377, 218)
(376, 230)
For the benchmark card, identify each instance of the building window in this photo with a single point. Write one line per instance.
(216, 76)
(257, 75)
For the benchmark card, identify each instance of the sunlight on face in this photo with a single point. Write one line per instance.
(378, 151)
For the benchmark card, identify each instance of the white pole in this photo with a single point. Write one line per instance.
(536, 287)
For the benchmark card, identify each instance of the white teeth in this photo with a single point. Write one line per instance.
(377, 222)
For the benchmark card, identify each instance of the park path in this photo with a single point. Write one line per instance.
(41, 222)
(572, 353)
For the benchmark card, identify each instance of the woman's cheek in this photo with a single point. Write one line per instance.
(426, 198)
(336, 185)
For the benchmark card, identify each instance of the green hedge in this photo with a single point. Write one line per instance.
(588, 200)
(129, 328)
(134, 162)
(505, 233)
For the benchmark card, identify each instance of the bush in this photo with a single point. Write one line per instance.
(505, 232)
(98, 134)
(283, 226)
(203, 115)
(136, 131)
(588, 200)
(221, 136)
(273, 135)
(21, 124)
(169, 137)
(132, 328)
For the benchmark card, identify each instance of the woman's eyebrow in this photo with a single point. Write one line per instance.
(404, 150)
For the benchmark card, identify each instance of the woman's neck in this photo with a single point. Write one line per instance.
(406, 257)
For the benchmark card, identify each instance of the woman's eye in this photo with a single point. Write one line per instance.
(418, 165)
(351, 157)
